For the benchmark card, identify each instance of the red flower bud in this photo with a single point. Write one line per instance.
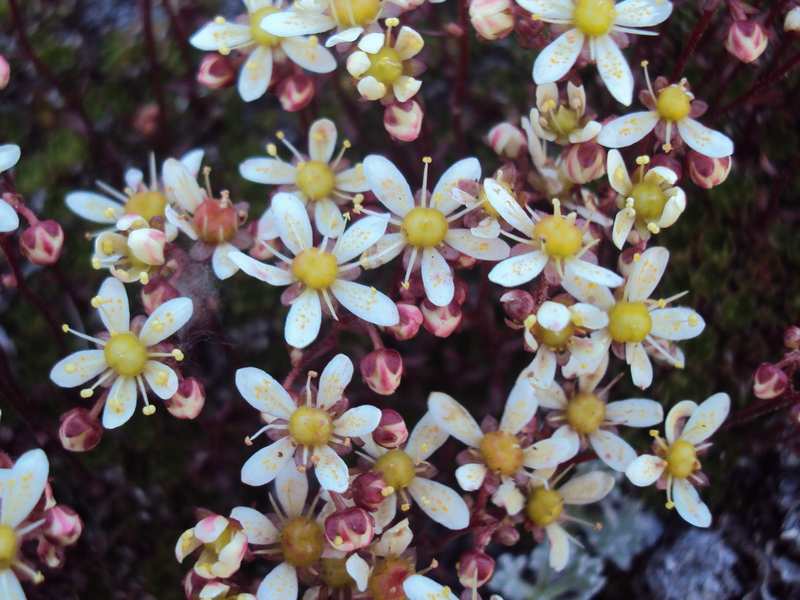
(188, 401)
(62, 525)
(492, 19)
(296, 92)
(42, 242)
(769, 381)
(584, 162)
(392, 431)
(475, 568)
(368, 490)
(403, 120)
(350, 529)
(215, 221)
(157, 291)
(746, 40)
(507, 140)
(791, 338)
(5, 72)
(382, 370)
(79, 431)
(518, 304)
(145, 119)
(441, 321)
(708, 172)
(410, 322)
(215, 71)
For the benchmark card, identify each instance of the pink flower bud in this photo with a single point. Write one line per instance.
(392, 431)
(188, 401)
(410, 322)
(62, 525)
(475, 568)
(215, 72)
(147, 245)
(708, 172)
(441, 321)
(42, 242)
(518, 304)
(350, 529)
(492, 19)
(5, 72)
(368, 490)
(296, 92)
(79, 431)
(791, 337)
(584, 162)
(215, 222)
(746, 40)
(403, 120)
(507, 535)
(382, 370)
(769, 381)
(156, 292)
(507, 140)
(145, 119)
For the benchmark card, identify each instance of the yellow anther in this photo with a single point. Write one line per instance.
(387, 491)
(97, 302)
(667, 147)
(272, 150)
(653, 433)
(65, 328)
(248, 441)
(312, 41)
(392, 22)
(427, 160)
(530, 322)
(338, 540)
(219, 20)
(346, 144)
(280, 135)
(148, 410)
(144, 278)
(642, 160)
(224, 50)
(637, 257)
(96, 263)
(405, 507)
(177, 354)
(670, 504)
(87, 393)
(645, 63)
(653, 228)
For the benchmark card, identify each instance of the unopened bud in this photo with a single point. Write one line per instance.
(369, 490)
(746, 40)
(215, 222)
(410, 322)
(517, 304)
(791, 337)
(382, 370)
(350, 529)
(62, 525)
(391, 431)
(296, 92)
(79, 431)
(157, 291)
(42, 242)
(492, 19)
(769, 381)
(507, 140)
(215, 72)
(584, 162)
(403, 120)
(188, 401)
(441, 321)
(475, 568)
(707, 172)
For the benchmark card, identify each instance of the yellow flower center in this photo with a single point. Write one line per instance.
(397, 469)
(501, 452)
(673, 103)
(334, 573)
(560, 237)
(629, 322)
(315, 268)
(147, 205)
(349, 13)
(261, 37)
(387, 577)
(310, 426)
(585, 412)
(386, 65)
(594, 17)
(8, 546)
(544, 506)
(564, 120)
(648, 201)
(125, 354)
(315, 179)
(555, 340)
(424, 227)
(302, 542)
(681, 459)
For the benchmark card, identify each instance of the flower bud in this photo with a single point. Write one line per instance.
(492, 19)
(769, 381)
(792, 20)
(296, 92)
(145, 119)
(410, 322)
(475, 568)
(707, 172)
(50, 554)
(188, 401)
(215, 71)
(5, 72)
(791, 337)
(507, 140)
(382, 370)
(147, 245)
(391, 431)
(368, 490)
(79, 431)
(215, 221)
(42, 242)
(746, 40)
(441, 321)
(584, 162)
(157, 291)
(518, 304)
(62, 525)
(403, 120)
(507, 535)
(350, 529)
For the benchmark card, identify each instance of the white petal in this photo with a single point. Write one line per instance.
(9, 219)
(10, 588)
(358, 63)
(425, 439)
(358, 421)
(359, 237)
(437, 277)
(454, 419)
(406, 87)
(614, 69)
(641, 367)
(586, 315)
(617, 173)
(291, 218)
(255, 74)
(21, 486)
(371, 43)
(388, 184)
(676, 323)
(559, 546)
(330, 469)
(520, 407)
(707, 418)
(549, 9)
(258, 528)
(366, 303)
(552, 397)
(585, 355)
(481, 248)
(612, 449)
(215, 36)
(674, 207)
(304, 320)
(508, 207)
(542, 369)
(166, 320)
(358, 569)
(272, 171)
(587, 291)
(343, 37)
(221, 264)
(94, 207)
(263, 466)
(121, 403)
(705, 140)
(575, 267)
(291, 487)
(394, 541)
(291, 23)
(635, 412)
(370, 88)
(588, 488)
(261, 391)
(547, 454)
(623, 223)
(689, 505)
(566, 433)
(553, 316)
(509, 497)
(466, 169)
(335, 378)
(408, 44)
(557, 58)
(162, 379)
(352, 180)
(518, 269)
(9, 156)
(114, 311)
(192, 160)
(262, 271)
(281, 582)
(387, 248)
(309, 54)
(647, 271)
(322, 140)
(470, 476)
(180, 186)
(645, 470)
(419, 587)
(642, 13)
(441, 503)
(328, 218)
(78, 368)
(626, 131)
(677, 417)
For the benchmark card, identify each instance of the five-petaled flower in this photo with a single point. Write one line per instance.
(563, 123)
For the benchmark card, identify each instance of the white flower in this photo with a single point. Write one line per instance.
(382, 68)
(406, 471)
(21, 487)
(498, 452)
(425, 228)
(638, 324)
(129, 256)
(264, 48)
(592, 22)
(672, 107)
(687, 428)
(586, 418)
(125, 359)
(320, 272)
(313, 428)
(562, 123)
(545, 239)
(650, 203)
(316, 179)
(9, 156)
